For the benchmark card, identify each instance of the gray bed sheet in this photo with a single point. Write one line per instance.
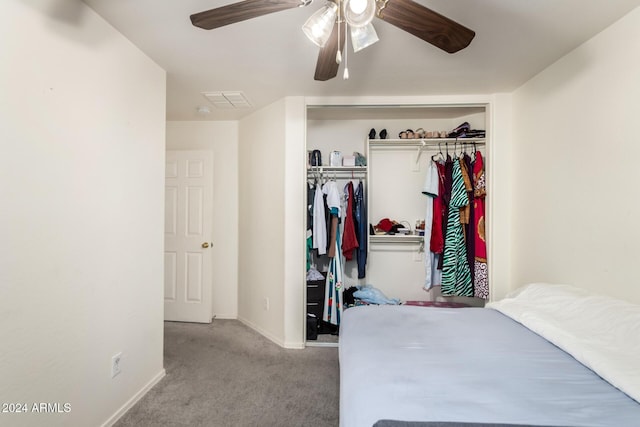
(466, 365)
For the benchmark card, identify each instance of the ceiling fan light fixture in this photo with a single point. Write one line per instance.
(362, 37)
(357, 6)
(359, 13)
(319, 25)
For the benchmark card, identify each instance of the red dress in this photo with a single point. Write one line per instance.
(437, 238)
(481, 278)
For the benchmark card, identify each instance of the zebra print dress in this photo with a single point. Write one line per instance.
(456, 276)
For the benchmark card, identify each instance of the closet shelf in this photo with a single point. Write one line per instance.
(427, 142)
(396, 238)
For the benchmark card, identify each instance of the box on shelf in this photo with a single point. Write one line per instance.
(335, 158)
(349, 161)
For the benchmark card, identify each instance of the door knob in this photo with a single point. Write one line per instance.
(205, 245)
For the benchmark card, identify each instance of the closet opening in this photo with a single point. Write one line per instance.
(372, 171)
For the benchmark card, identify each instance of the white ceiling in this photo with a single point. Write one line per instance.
(269, 57)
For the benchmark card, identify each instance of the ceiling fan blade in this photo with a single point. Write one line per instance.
(427, 25)
(240, 11)
(327, 67)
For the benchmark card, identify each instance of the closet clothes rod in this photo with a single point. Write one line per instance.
(457, 144)
(337, 169)
(430, 143)
(342, 172)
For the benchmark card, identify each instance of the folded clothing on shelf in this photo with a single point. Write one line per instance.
(388, 226)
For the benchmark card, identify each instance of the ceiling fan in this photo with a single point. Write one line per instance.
(407, 15)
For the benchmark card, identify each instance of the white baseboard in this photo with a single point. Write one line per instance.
(268, 335)
(261, 331)
(294, 345)
(226, 316)
(136, 397)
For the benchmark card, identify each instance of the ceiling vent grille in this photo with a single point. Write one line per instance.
(228, 100)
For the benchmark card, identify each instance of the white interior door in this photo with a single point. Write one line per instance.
(188, 236)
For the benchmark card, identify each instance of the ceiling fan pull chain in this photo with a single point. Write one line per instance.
(338, 52)
(345, 75)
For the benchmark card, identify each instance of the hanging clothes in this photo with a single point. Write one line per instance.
(330, 189)
(446, 198)
(469, 233)
(333, 285)
(333, 235)
(465, 211)
(480, 277)
(456, 277)
(319, 230)
(362, 229)
(311, 193)
(437, 228)
(430, 189)
(349, 238)
(333, 288)
(310, 197)
(439, 212)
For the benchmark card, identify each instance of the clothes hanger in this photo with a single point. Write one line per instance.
(439, 153)
(420, 147)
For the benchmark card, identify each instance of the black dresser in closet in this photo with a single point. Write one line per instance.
(315, 297)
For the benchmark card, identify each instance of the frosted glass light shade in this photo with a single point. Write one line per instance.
(357, 6)
(359, 13)
(362, 37)
(319, 25)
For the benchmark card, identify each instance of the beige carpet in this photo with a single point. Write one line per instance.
(225, 374)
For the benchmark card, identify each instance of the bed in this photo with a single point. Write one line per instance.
(548, 355)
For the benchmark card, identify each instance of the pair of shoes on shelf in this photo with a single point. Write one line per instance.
(372, 134)
(406, 134)
(421, 133)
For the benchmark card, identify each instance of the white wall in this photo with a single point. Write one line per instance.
(295, 223)
(222, 138)
(82, 139)
(261, 219)
(576, 151)
(500, 199)
(271, 211)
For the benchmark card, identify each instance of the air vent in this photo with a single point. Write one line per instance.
(227, 100)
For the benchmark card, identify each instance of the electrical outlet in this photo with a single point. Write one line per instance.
(116, 365)
(265, 304)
